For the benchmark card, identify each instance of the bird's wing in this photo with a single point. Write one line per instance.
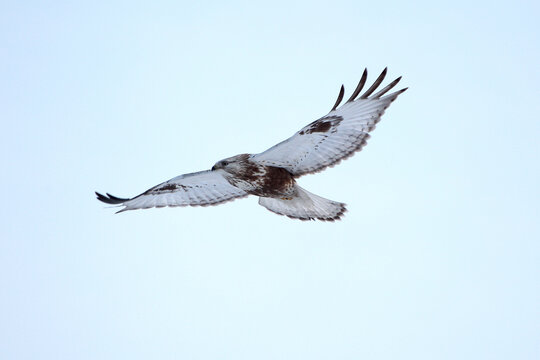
(196, 189)
(336, 136)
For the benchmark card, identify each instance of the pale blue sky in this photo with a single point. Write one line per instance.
(437, 258)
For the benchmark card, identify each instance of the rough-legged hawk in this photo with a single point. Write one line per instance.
(272, 174)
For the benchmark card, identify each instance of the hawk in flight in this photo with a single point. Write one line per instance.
(272, 174)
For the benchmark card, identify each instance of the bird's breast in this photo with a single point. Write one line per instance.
(266, 181)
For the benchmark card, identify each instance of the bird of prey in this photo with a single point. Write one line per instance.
(271, 175)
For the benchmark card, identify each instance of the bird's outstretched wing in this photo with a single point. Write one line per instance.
(336, 136)
(196, 189)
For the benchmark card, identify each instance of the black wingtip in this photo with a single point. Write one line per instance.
(359, 87)
(110, 199)
(116, 198)
(375, 84)
(340, 97)
(386, 89)
(402, 90)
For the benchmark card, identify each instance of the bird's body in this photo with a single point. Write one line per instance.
(272, 174)
(256, 179)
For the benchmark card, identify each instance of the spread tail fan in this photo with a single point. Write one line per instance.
(305, 206)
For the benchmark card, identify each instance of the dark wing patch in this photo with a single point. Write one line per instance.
(322, 125)
(167, 187)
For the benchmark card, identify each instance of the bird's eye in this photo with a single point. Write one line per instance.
(225, 163)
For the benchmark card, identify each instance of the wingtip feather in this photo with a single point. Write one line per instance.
(110, 199)
(340, 97)
(375, 85)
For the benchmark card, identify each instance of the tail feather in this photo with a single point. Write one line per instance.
(305, 206)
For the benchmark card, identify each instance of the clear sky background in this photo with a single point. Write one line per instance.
(437, 258)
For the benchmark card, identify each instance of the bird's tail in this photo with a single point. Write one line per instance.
(305, 206)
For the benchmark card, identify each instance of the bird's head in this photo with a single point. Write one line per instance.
(232, 164)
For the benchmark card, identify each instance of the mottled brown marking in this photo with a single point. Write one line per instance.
(322, 125)
(260, 180)
(252, 171)
(168, 187)
(275, 182)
